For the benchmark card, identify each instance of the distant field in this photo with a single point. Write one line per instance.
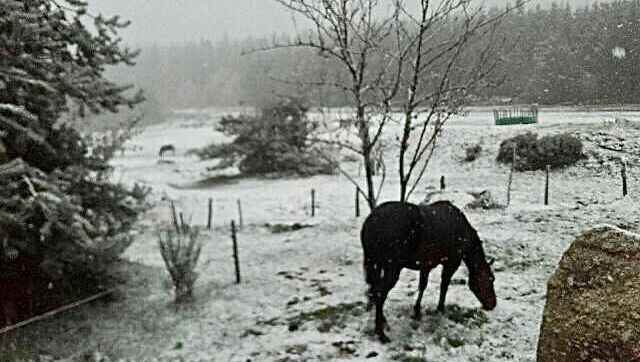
(313, 277)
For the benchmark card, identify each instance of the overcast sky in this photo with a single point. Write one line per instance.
(170, 21)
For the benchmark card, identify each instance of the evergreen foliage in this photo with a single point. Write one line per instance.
(277, 140)
(56, 203)
(533, 153)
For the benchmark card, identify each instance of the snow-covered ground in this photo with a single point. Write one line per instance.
(302, 292)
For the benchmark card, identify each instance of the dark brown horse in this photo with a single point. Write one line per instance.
(166, 148)
(403, 235)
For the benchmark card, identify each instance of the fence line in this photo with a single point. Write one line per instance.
(56, 311)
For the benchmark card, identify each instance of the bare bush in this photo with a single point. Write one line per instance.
(180, 249)
(472, 153)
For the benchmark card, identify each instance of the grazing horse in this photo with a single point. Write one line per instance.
(346, 123)
(166, 148)
(400, 235)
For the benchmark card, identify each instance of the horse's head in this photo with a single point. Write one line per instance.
(481, 284)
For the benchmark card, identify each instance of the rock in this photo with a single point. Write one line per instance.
(458, 198)
(592, 311)
(294, 326)
(470, 200)
(625, 122)
(483, 200)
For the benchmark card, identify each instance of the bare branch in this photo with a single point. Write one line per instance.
(340, 144)
(343, 172)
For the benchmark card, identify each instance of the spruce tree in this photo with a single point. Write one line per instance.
(56, 204)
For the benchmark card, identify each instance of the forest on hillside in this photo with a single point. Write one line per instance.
(555, 55)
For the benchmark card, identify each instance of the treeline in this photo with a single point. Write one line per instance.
(584, 56)
(555, 55)
(205, 74)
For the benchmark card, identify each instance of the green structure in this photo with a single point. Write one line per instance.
(515, 116)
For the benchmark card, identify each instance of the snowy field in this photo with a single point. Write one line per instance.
(302, 294)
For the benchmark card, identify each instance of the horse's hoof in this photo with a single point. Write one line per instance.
(385, 325)
(383, 338)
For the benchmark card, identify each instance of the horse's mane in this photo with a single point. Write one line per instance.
(472, 251)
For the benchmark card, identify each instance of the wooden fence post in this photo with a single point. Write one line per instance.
(313, 202)
(357, 202)
(546, 187)
(513, 163)
(240, 223)
(174, 216)
(236, 260)
(623, 173)
(210, 215)
(181, 221)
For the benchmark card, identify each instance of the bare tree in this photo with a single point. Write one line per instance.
(349, 33)
(385, 48)
(447, 50)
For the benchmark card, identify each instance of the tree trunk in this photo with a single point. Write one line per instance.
(363, 128)
(404, 145)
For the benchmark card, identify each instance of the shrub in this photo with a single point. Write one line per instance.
(277, 140)
(533, 153)
(472, 153)
(180, 250)
(524, 144)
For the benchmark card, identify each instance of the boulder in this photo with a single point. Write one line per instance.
(459, 198)
(483, 200)
(592, 311)
(463, 199)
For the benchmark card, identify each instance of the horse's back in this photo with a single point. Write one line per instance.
(446, 224)
(391, 231)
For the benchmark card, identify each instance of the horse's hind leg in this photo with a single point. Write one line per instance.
(381, 321)
(447, 273)
(424, 278)
(387, 283)
(370, 299)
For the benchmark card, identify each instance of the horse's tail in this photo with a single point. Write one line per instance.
(372, 275)
(371, 271)
(371, 267)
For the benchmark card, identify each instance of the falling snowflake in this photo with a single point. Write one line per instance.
(618, 52)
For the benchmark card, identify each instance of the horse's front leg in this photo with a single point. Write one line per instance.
(424, 278)
(447, 273)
